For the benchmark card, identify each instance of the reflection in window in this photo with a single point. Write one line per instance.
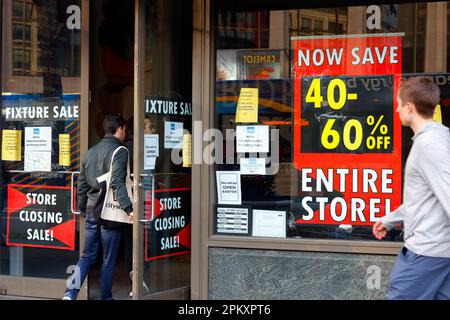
(276, 91)
(318, 25)
(21, 32)
(28, 10)
(243, 29)
(21, 61)
(17, 31)
(337, 28)
(27, 34)
(332, 26)
(31, 30)
(18, 9)
(18, 59)
(306, 24)
(22, 9)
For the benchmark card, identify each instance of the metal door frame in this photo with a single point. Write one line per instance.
(138, 162)
(138, 232)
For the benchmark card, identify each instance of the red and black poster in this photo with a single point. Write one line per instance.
(169, 232)
(347, 135)
(40, 217)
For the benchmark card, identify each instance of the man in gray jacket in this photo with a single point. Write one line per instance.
(422, 269)
(101, 232)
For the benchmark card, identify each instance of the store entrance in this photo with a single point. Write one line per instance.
(111, 70)
(154, 255)
(65, 64)
(162, 151)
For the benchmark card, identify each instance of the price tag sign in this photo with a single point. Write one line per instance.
(347, 135)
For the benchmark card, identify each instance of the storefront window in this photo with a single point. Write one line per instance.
(312, 145)
(40, 138)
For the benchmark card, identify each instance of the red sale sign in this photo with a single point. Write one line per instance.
(39, 217)
(168, 233)
(347, 136)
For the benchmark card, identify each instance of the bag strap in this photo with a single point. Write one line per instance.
(107, 175)
(114, 154)
(112, 158)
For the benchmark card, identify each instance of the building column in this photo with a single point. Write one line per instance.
(202, 100)
(357, 20)
(436, 38)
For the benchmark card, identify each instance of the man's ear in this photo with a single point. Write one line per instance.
(410, 107)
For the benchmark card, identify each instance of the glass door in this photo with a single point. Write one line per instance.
(163, 124)
(41, 138)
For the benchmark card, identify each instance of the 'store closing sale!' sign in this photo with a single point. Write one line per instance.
(347, 136)
(38, 216)
(168, 233)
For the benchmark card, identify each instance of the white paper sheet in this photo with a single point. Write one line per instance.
(228, 187)
(269, 223)
(250, 166)
(38, 161)
(38, 149)
(252, 139)
(173, 135)
(151, 150)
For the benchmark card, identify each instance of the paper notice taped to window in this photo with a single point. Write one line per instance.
(247, 107)
(253, 166)
(187, 150)
(269, 223)
(173, 135)
(64, 150)
(38, 149)
(437, 116)
(151, 150)
(252, 139)
(12, 145)
(229, 187)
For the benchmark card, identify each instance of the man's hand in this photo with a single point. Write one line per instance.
(379, 231)
(130, 217)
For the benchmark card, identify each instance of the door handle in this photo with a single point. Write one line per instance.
(147, 175)
(71, 192)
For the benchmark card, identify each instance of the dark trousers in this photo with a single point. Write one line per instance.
(127, 235)
(416, 277)
(96, 235)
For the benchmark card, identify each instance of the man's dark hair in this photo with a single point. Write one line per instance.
(113, 122)
(422, 92)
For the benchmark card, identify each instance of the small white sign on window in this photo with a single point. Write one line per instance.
(229, 187)
(151, 150)
(269, 223)
(252, 139)
(253, 166)
(38, 149)
(173, 135)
